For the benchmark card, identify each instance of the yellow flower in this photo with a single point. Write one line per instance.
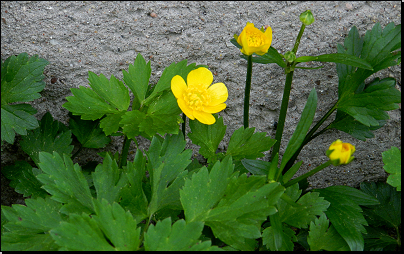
(254, 40)
(198, 98)
(340, 153)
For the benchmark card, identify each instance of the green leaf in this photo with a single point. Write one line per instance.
(12, 241)
(379, 239)
(278, 237)
(181, 236)
(256, 167)
(87, 103)
(368, 106)
(345, 214)
(348, 124)
(376, 48)
(392, 165)
(206, 136)
(80, 233)
(131, 121)
(164, 82)
(167, 164)
(113, 90)
(23, 179)
(108, 180)
(308, 207)
(133, 196)
(322, 237)
(301, 129)
(162, 117)
(244, 143)
(341, 58)
(28, 225)
(111, 122)
(388, 212)
(234, 207)
(39, 215)
(22, 78)
(88, 133)
(117, 225)
(137, 79)
(51, 136)
(21, 81)
(65, 182)
(16, 119)
(204, 190)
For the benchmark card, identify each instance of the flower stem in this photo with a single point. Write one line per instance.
(124, 154)
(309, 137)
(310, 173)
(286, 92)
(299, 36)
(184, 118)
(247, 91)
(282, 114)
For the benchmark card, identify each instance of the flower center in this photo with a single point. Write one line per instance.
(196, 98)
(254, 39)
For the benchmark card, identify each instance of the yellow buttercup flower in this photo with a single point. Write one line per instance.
(197, 98)
(340, 153)
(254, 40)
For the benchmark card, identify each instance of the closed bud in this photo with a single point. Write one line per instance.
(307, 18)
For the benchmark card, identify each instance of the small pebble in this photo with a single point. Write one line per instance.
(153, 15)
(348, 6)
(53, 80)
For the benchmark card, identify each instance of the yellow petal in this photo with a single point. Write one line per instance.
(178, 86)
(218, 94)
(268, 34)
(184, 108)
(200, 77)
(214, 109)
(204, 117)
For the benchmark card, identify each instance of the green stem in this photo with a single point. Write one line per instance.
(285, 100)
(146, 227)
(282, 114)
(299, 36)
(184, 118)
(309, 137)
(310, 173)
(124, 154)
(247, 91)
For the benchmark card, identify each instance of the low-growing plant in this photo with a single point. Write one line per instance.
(163, 199)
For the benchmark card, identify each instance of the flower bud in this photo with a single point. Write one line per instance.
(307, 18)
(340, 153)
(290, 56)
(253, 40)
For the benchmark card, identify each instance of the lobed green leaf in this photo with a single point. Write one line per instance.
(51, 136)
(206, 136)
(392, 165)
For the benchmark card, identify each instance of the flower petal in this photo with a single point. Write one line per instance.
(201, 78)
(205, 118)
(214, 109)
(184, 108)
(218, 94)
(178, 86)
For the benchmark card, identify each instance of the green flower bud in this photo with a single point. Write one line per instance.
(307, 18)
(290, 56)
